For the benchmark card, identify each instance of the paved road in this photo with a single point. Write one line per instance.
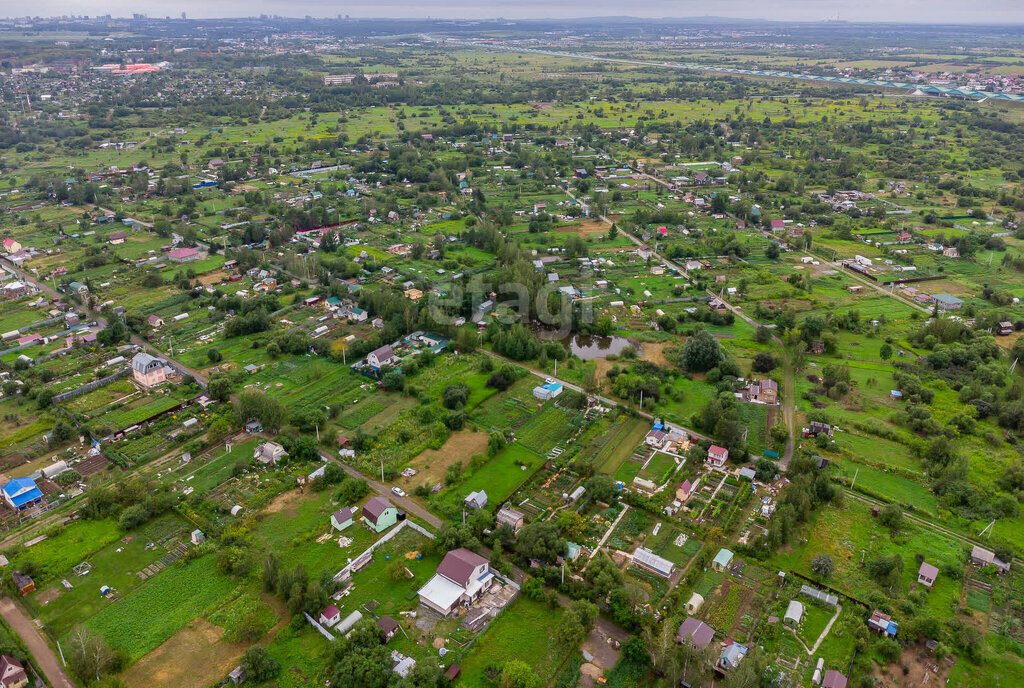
(93, 315)
(43, 655)
(409, 505)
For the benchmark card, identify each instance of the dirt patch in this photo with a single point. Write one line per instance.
(586, 228)
(655, 352)
(47, 596)
(12, 461)
(605, 655)
(209, 660)
(215, 277)
(924, 669)
(432, 463)
(1008, 341)
(286, 502)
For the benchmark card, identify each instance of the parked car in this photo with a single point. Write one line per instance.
(398, 491)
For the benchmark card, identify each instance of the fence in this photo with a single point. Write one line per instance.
(323, 631)
(90, 386)
(174, 409)
(835, 592)
(345, 572)
(183, 372)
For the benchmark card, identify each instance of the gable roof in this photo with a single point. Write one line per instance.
(383, 353)
(11, 670)
(343, 514)
(833, 679)
(387, 624)
(698, 632)
(928, 570)
(375, 507)
(459, 564)
(723, 557)
(142, 360)
(21, 491)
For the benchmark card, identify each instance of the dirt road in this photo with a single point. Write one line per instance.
(44, 657)
(385, 491)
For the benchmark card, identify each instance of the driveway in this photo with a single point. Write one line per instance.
(380, 488)
(37, 645)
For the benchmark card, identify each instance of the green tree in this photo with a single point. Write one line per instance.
(701, 352)
(518, 674)
(540, 540)
(258, 665)
(254, 404)
(602, 488)
(576, 623)
(823, 566)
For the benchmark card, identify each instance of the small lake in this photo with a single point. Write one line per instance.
(588, 347)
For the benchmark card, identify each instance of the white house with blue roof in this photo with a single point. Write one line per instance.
(548, 391)
(21, 493)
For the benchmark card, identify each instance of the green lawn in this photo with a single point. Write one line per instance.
(115, 565)
(54, 557)
(525, 630)
(499, 477)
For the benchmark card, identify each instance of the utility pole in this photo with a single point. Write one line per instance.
(382, 470)
(854, 481)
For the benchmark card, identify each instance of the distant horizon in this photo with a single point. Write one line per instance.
(334, 17)
(883, 12)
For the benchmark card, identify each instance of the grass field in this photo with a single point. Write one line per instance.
(524, 630)
(151, 614)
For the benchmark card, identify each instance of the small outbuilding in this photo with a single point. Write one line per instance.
(695, 602)
(722, 560)
(342, 518)
(794, 613)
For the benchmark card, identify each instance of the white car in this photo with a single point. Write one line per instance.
(398, 491)
(550, 381)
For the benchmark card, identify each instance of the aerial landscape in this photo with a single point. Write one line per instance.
(510, 353)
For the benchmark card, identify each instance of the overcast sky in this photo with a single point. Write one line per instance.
(930, 11)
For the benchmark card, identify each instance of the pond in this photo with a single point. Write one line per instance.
(589, 347)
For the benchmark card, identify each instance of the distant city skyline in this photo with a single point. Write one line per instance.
(911, 11)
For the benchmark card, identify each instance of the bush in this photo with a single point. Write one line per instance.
(258, 665)
(133, 517)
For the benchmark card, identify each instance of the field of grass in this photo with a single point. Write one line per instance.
(54, 557)
(499, 477)
(165, 603)
(115, 565)
(523, 630)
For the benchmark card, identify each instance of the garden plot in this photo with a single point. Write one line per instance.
(547, 428)
(115, 564)
(162, 605)
(205, 472)
(432, 464)
(524, 629)
(293, 527)
(388, 586)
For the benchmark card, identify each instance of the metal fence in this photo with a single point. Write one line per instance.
(90, 386)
